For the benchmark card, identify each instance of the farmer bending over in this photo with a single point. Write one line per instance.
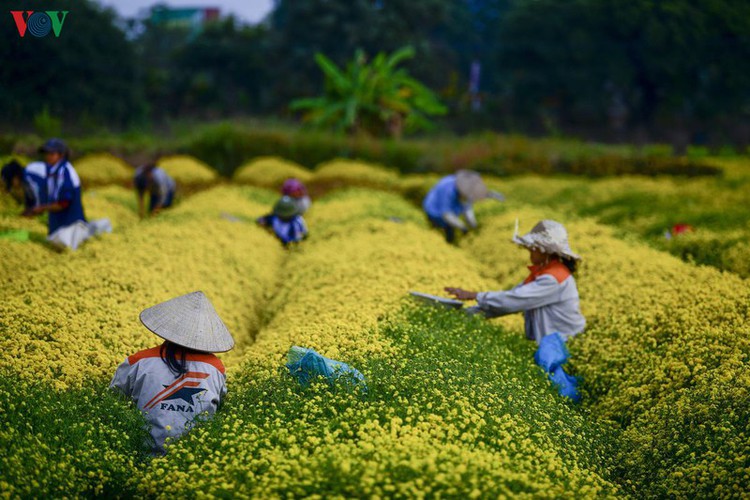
(285, 221)
(453, 197)
(158, 183)
(298, 192)
(30, 181)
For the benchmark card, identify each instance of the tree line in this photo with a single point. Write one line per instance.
(612, 69)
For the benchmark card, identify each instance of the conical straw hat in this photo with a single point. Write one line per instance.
(190, 321)
(470, 185)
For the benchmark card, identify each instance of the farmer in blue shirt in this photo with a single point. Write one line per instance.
(32, 180)
(285, 221)
(63, 188)
(453, 197)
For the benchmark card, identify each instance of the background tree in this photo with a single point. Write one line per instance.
(223, 70)
(673, 64)
(301, 28)
(378, 98)
(86, 76)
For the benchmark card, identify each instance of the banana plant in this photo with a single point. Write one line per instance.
(379, 98)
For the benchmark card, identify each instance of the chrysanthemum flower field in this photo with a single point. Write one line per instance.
(455, 406)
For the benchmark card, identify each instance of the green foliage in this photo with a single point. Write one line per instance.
(226, 146)
(493, 375)
(677, 63)
(89, 68)
(218, 72)
(47, 125)
(440, 31)
(84, 442)
(377, 98)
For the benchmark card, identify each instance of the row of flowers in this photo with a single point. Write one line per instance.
(664, 357)
(450, 408)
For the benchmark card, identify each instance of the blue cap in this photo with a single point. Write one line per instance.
(54, 146)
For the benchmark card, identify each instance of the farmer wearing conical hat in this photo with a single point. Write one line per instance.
(180, 381)
(285, 221)
(452, 198)
(548, 298)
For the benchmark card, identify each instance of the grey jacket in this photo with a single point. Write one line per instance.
(549, 303)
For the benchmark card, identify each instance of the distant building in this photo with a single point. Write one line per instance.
(192, 18)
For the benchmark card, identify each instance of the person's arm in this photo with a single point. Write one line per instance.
(304, 204)
(454, 221)
(264, 221)
(122, 380)
(57, 206)
(302, 228)
(64, 196)
(494, 195)
(543, 291)
(471, 218)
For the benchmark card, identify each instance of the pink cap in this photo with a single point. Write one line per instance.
(294, 188)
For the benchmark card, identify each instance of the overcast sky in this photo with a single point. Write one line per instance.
(247, 10)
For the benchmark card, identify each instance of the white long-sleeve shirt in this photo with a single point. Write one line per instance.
(171, 404)
(548, 299)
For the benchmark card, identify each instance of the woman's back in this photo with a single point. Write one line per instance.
(172, 403)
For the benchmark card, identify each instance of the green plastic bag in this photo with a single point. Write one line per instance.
(14, 234)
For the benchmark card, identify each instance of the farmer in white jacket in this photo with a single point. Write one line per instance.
(548, 297)
(181, 381)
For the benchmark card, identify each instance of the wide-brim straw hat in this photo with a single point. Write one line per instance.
(190, 321)
(547, 236)
(470, 185)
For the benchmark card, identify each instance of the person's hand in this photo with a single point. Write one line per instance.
(460, 293)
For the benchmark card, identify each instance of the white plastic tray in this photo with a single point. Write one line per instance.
(434, 299)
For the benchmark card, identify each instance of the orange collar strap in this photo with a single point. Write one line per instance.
(554, 268)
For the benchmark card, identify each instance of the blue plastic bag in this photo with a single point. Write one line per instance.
(306, 364)
(551, 355)
(567, 385)
(552, 352)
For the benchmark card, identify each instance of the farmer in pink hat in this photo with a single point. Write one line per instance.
(297, 191)
(180, 381)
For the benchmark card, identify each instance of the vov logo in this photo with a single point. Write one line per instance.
(39, 24)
